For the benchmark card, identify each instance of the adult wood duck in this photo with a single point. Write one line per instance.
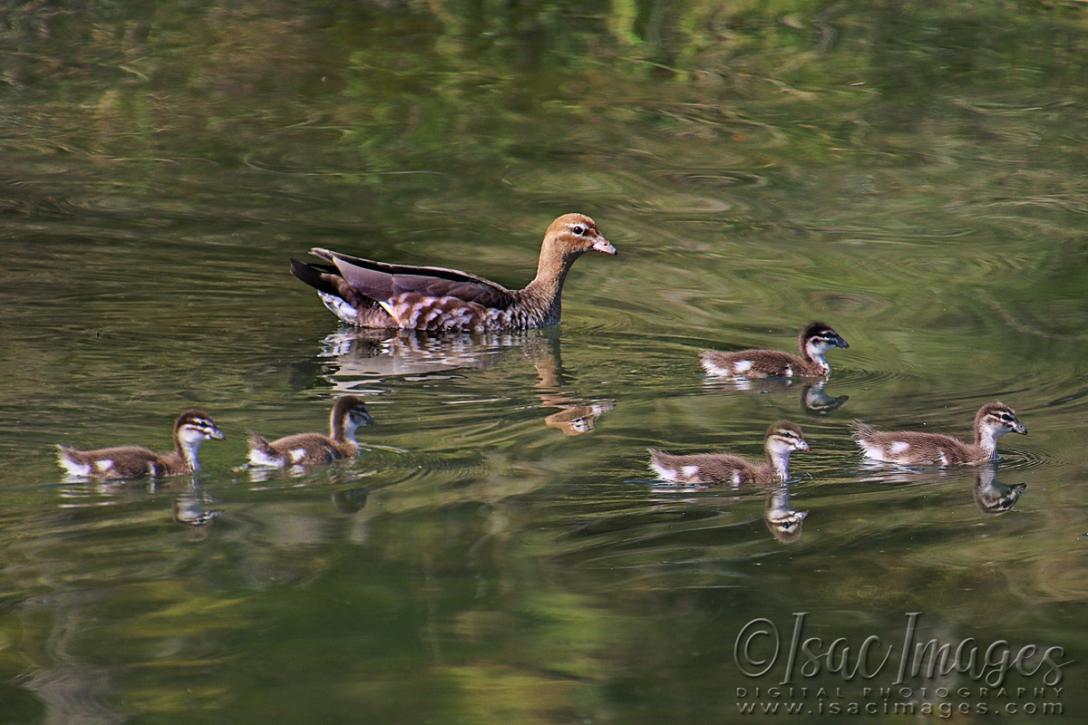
(376, 294)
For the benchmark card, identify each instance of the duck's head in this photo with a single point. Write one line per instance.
(817, 338)
(998, 419)
(784, 438)
(352, 412)
(572, 235)
(196, 426)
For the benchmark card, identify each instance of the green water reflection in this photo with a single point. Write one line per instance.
(911, 173)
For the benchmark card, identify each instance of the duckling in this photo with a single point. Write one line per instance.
(782, 439)
(815, 340)
(992, 496)
(376, 294)
(191, 428)
(302, 449)
(782, 521)
(992, 421)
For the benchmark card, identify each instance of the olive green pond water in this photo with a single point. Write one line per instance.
(914, 174)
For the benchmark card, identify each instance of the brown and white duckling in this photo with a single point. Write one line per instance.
(906, 448)
(303, 449)
(376, 294)
(815, 341)
(192, 428)
(782, 439)
(783, 521)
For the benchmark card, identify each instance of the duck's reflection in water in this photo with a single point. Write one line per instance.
(362, 353)
(782, 521)
(814, 396)
(992, 496)
(575, 416)
(192, 509)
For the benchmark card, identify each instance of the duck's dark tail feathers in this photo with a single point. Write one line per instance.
(318, 276)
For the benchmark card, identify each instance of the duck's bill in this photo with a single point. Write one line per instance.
(217, 434)
(604, 246)
(841, 342)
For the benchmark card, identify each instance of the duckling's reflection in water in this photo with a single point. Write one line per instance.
(814, 398)
(575, 416)
(192, 510)
(350, 501)
(992, 496)
(782, 521)
(367, 353)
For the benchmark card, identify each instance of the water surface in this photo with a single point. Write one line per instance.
(500, 553)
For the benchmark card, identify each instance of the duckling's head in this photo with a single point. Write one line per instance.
(196, 426)
(817, 338)
(784, 438)
(572, 235)
(352, 411)
(997, 419)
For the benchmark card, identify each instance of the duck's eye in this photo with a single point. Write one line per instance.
(578, 229)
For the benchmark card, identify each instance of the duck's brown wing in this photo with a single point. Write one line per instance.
(384, 282)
